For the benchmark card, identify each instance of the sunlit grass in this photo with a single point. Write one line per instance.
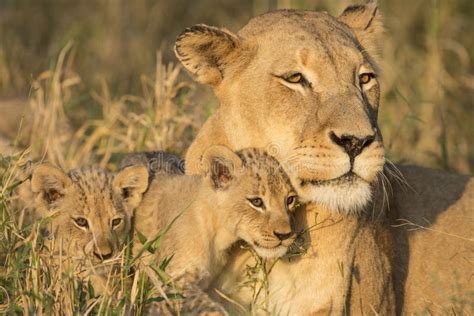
(33, 281)
(91, 106)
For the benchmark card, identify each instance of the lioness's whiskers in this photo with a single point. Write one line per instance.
(391, 169)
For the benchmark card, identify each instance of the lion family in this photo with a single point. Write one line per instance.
(303, 88)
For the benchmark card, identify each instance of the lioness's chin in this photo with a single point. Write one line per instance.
(344, 196)
(268, 253)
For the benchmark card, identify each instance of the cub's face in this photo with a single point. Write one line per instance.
(255, 197)
(90, 208)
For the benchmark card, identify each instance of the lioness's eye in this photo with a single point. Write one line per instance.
(365, 78)
(116, 222)
(257, 202)
(295, 78)
(81, 222)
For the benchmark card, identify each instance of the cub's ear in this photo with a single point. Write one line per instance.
(221, 165)
(205, 51)
(49, 183)
(366, 23)
(130, 183)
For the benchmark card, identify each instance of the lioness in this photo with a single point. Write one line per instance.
(244, 195)
(90, 211)
(304, 85)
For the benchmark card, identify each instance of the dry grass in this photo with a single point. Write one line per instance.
(159, 119)
(30, 282)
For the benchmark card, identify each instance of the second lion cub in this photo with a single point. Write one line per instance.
(243, 196)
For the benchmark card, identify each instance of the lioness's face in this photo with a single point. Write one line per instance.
(302, 85)
(255, 198)
(90, 208)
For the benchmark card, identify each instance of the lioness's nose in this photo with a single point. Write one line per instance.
(352, 144)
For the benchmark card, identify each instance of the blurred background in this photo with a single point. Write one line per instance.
(88, 80)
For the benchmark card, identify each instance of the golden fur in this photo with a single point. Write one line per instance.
(90, 211)
(207, 215)
(304, 86)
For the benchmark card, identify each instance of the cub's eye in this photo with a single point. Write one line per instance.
(290, 200)
(81, 222)
(257, 202)
(365, 78)
(116, 222)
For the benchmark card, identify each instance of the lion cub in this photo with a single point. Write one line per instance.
(242, 196)
(90, 211)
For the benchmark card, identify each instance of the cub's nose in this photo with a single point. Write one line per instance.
(283, 235)
(103, 250)
(103, 256)
(352, 145)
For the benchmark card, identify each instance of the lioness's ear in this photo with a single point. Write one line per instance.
(205, 51)
(221, 165)
(49, 183)
(130, 183)
(366, 22)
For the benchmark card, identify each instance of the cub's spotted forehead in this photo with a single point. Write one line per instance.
(91, 178)
(265, 169)
(94, 191)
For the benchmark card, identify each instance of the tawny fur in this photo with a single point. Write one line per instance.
(360, 262)
(209, 214)
(90, 211)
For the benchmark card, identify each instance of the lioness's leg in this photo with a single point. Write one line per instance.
(208, 135)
